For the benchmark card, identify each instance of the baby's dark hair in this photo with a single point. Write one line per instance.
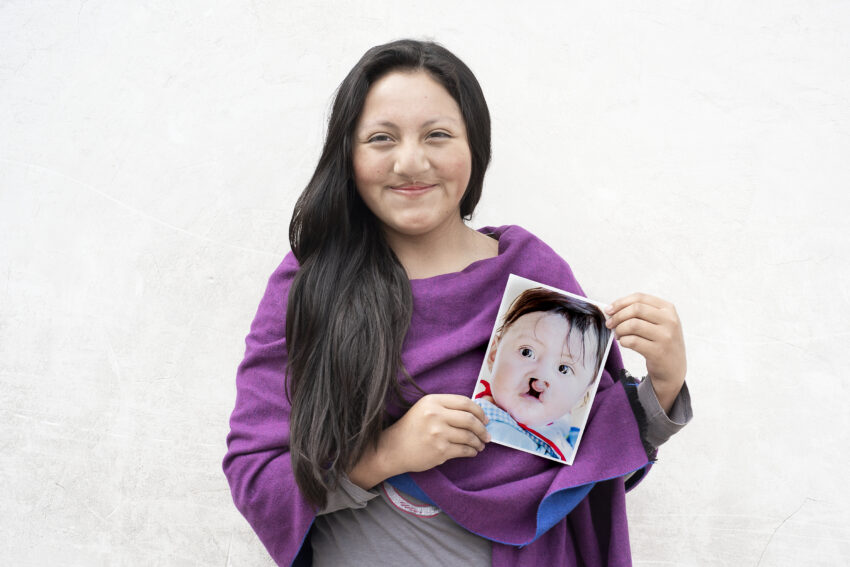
(582, 316)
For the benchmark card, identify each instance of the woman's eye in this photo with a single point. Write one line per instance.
(379, 138)
(564, 369)
(439, 135)
(526, 352)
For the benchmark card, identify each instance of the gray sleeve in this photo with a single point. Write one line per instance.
(347, 495)
(660, 425)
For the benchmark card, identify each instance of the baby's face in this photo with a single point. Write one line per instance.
(537, 375)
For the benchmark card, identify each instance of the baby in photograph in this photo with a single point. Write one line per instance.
(543, 361)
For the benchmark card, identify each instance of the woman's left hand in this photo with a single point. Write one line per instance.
(651, 327)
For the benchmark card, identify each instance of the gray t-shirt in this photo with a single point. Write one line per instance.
(384, 526)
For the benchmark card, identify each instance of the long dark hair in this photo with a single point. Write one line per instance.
(350, 303)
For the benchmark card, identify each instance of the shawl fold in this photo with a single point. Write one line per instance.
(535, 511)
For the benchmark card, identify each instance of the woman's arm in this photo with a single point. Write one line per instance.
(661, 425)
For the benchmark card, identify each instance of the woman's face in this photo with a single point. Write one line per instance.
(411, 155)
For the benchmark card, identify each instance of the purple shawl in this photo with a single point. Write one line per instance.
(534, 510)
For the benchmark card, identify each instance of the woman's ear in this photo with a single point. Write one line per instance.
(491, 354)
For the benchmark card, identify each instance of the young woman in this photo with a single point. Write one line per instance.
(354, 440)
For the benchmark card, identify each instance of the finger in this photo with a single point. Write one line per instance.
(637, 298)
(465, 437)
(638, 344)
(466, 421)
(640, 328)
(462, 403)
(641, 311)
(457, 450)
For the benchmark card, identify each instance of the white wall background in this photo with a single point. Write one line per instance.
(150, 156)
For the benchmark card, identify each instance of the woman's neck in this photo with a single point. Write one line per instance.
(445, 250)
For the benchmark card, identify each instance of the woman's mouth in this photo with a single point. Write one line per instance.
(411, 189)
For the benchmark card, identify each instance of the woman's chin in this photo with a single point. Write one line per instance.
(421, 224)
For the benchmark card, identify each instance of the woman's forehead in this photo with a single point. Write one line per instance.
(408, 96)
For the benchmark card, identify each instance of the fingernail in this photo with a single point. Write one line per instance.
(489, 437)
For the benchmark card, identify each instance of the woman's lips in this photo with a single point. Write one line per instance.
(412, 189)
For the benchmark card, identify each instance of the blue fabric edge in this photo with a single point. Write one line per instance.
(406, 484)
(552, 510)
(304, 557)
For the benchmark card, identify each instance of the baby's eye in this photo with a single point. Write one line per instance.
(526, 352)
(564, 369)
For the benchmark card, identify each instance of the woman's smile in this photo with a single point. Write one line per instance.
(413, 189)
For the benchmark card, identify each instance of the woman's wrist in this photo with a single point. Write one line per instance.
(666, 391)
(372, 468)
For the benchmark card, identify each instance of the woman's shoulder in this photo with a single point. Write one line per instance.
(509, 232)
(285, 272)
(271, 313)
(515, 236)
(529, 256)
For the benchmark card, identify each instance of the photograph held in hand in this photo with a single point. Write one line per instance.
(541, 369)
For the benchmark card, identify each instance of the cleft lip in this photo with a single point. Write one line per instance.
(532, 391)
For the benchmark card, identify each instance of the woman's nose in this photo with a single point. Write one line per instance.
(411, 160)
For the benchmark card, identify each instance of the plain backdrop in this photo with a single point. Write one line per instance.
(150, 155)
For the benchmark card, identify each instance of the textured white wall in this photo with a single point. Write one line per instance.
(150, 157)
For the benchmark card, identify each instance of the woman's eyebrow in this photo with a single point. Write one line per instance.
(383, 123)
(391, 124)
(432, 121)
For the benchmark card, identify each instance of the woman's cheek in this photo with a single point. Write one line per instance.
(457, 165)
(368, 168)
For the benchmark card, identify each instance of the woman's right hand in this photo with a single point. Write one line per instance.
(437, 428)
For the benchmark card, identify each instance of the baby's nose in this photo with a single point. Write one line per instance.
(539, 385)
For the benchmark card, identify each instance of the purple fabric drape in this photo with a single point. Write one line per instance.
(508, 496)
